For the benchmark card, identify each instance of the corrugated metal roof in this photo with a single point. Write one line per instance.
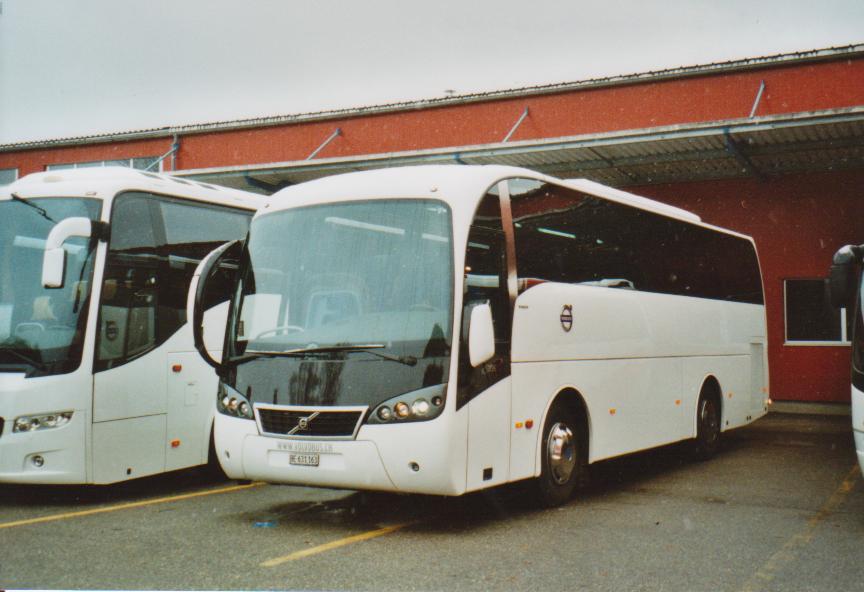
(762, 147)
(680, 72)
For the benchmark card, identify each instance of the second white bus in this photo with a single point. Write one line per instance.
(446, 329)
(99, 379)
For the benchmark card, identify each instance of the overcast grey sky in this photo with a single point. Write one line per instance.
(75, 67)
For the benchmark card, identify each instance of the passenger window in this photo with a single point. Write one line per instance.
(563, 235)
(485, 281)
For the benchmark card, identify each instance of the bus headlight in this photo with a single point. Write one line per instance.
(231, 402)
(45, 421)
(422, 405)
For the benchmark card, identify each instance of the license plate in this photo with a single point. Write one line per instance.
(304, 460)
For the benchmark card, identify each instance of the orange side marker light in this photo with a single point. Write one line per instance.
(529, 423)
(176, 368)
(175, 443)
(519, 425)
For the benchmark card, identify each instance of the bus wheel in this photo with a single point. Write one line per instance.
(707, 427)
(213, 466)
(561, 467)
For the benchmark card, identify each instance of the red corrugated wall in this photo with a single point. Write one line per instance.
(789, 89)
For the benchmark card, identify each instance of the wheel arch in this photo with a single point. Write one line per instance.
(710, 388)
(575, 402)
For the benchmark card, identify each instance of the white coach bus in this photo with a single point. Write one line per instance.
(445, 329)
(845, 289)
(99, 379)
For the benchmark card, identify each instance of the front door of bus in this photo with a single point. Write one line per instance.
(485, 391)
(129, 381)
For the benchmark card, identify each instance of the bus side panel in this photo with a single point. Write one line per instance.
(638, 359)
(192, 389)
(489, 436)
(128, 448)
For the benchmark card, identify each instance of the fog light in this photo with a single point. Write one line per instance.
(402, 409)
(38, 461)
(384, 413)
(420, 407)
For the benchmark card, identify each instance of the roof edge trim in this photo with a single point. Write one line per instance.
(826, 54)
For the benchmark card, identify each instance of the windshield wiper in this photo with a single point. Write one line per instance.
(35, 363)
(42, 211)
(368, 348)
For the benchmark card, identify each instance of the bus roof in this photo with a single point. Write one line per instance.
(460, 186)
(106, 182)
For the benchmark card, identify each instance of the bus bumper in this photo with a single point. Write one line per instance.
(859, 449)
(384, 458)
(858, 424)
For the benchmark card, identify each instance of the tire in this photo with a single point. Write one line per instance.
(707, 427)
(213, 467)
(562, 465)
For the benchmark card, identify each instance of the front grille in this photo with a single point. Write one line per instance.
(328, 423)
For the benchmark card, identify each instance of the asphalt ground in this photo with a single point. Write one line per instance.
(780, 508)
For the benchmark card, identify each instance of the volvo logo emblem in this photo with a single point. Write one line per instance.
(303, 424)
(567, 317)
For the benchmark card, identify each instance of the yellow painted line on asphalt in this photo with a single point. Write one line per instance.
(129, 506)
(789, 552)
(357, 538)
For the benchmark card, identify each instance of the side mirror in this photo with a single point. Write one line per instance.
(481, 335)
(841, 278)
(54, 258)
(205, 271)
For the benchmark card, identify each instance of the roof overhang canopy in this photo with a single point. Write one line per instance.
(760, 147)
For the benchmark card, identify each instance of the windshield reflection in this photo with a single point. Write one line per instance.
(41, 329)
(344, 290)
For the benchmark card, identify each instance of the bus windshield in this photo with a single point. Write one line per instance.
(42, 329)
(344, 303)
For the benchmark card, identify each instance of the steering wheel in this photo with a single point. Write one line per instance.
(28, 327)
(280, 329)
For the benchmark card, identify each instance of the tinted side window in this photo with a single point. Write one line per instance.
(127, 312)
(566, 236)
(156, 244)
(485, 281)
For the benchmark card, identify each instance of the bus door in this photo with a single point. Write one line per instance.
(129, 382)
(486, 389)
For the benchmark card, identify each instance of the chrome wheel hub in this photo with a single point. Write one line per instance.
(561, 453)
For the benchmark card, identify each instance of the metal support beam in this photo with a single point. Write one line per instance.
(332, 137)
(633, 178)
(515, 126)
(268, 188)
(175, 146)
(758, 98)
(733, 148)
